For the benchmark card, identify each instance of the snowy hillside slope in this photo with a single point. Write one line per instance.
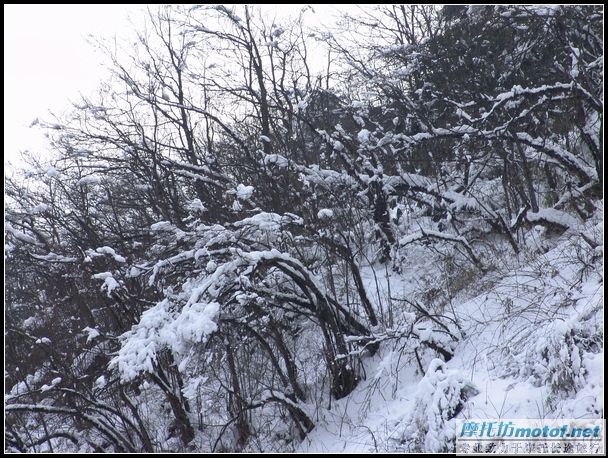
(532, 348)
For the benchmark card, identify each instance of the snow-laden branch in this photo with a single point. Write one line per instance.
(121, 442)
(426, 234)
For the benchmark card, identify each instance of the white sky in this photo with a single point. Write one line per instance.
(48, 62)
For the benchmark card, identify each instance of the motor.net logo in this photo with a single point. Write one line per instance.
(541, 436)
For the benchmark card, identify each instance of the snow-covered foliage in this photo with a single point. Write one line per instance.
(229, 253)
(439, 397)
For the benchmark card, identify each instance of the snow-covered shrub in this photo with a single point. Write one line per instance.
(440, 397)
(557, 360)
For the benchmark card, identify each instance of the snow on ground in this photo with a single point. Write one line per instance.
(521, 366)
